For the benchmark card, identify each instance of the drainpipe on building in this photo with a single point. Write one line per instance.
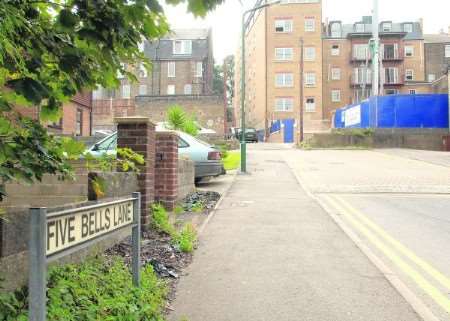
(301, 131)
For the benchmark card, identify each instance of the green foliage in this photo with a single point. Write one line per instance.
(218, 80)
(232, 160)
(94, 290)
(305, 145)
(186, 238)
(176, 117)
(160, 220)
(179, 120)
(51, 50)
(198, 207)
(99, 186)
(178, 209)
(357, 132)
(28, 152)
(190, 127)
(125, 160)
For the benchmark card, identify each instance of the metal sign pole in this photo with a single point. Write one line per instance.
(37, 265)
(136, 240)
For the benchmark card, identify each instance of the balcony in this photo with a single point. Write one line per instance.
(358, 81)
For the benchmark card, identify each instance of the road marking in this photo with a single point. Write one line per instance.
(427, 267)
(433, 292)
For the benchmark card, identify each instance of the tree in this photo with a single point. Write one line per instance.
(228, 66)
(52, 49)
(218, 80)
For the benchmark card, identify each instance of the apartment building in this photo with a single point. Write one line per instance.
(182, 64)
(273, 68)
(437, 55)
(347, 61)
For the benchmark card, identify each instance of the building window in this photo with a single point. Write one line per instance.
(361, 76)
(199, 69)
(391, 91)
(182, 47)
(412, 91)
(171, 69)
(283, 25)
(79, 123)
(310, 24)
(310, 105)
(391, 75)
(408, 27)
(409, 74)
(336, 30)
(284, 80)
(284, 104)
(359, 27)
(188, 89)
(142, 71)
(170, 89)
(126, 91)
(284, 53)
(386, 26)
(336, 73)
(310, 53)
(310, 79)
(390, 51)
(360, 51)
(335, 95)
(409, 51)
(447, 51)
(142, 90)
(335, 51)
(431, 77)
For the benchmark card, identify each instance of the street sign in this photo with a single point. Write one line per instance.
(58, 234)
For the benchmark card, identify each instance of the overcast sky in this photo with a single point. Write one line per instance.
(225, 20)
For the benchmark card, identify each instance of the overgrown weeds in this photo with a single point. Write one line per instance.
(94, 290)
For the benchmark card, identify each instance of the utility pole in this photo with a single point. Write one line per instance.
(301, 134)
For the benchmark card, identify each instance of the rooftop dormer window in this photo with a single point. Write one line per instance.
(408, 27)
(386, 26)
(359, 27)
(336, 30)
(182, 47)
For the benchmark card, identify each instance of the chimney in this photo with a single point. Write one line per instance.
(421, 24)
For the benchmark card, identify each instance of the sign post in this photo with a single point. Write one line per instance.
(58, 234)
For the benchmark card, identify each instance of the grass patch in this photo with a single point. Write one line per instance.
(94, 290)
(231, 160)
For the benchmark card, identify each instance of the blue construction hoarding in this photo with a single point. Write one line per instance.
(396, 111)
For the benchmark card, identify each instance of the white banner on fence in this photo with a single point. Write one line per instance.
(353, 116)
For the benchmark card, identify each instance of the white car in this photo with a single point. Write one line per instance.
(207, 159)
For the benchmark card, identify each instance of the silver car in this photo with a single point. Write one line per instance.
(207, 159)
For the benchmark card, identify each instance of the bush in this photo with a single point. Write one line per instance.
(179, 120)
(94, 290)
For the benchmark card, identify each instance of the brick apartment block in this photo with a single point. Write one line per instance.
(337, 64)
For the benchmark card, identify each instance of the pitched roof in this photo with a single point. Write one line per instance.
(437, 38)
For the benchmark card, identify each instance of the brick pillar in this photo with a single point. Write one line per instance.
(166, 169)
(138, 133)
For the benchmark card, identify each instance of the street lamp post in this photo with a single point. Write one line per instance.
(243, 143)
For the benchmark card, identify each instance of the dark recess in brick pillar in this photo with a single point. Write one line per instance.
(166, 169)
(138, 133)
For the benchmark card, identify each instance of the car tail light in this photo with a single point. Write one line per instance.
(214, 155)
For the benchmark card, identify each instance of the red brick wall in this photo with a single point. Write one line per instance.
(138, 133)
(166, 169)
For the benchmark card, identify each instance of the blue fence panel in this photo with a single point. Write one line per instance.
(399, 111)
(276, 126)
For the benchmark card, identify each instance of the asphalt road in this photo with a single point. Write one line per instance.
(398, 203)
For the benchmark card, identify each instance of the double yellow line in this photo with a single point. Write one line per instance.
(394, 250)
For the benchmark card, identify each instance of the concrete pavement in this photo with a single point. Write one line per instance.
(272, 253)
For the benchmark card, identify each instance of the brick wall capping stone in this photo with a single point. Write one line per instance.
(133, 120)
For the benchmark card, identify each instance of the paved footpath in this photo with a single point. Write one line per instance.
(272, 253)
